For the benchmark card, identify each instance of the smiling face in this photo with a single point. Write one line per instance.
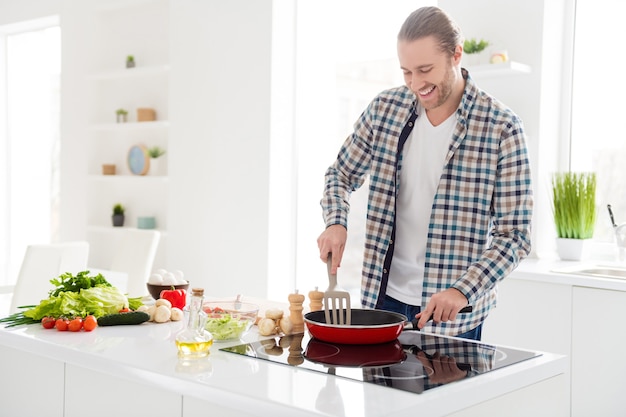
(433, 75)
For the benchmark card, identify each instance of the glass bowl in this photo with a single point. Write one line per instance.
(229, 320)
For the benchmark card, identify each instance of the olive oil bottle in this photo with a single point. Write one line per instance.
(194, 341)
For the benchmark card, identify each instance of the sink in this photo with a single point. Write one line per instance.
(600, 271)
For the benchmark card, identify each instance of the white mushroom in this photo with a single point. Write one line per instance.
(285, 324)
(274, 313)
(177, 314)
(163, 302)
(162, 314)
(267, 326)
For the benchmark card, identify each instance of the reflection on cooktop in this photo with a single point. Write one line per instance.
(415, 362)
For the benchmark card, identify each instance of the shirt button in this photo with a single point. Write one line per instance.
(411, 124)
(391, 241)
(384, 271)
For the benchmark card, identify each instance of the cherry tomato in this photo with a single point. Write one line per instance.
(48, 322)
(61, 324)
(124, 310)
(90, 323)
(75, 325)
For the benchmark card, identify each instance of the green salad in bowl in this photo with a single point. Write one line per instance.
(229, 320)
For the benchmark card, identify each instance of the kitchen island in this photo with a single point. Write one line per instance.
(134, 370)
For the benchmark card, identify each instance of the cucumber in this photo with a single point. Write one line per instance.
(132, 317)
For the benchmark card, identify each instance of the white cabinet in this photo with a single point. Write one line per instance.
(531, 315)
(598, 339)
(110, 395)
(581, 322)
(32, 385)
(120, 29)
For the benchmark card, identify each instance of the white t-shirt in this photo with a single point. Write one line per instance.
(423, 158)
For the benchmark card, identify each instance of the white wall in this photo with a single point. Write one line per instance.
(219, 144)
(221, 95)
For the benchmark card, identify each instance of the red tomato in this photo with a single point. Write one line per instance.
(48, 322)
(90, 323)
(75, 325)
(62, 324)
(124, 310)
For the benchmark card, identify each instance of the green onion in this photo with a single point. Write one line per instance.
(574, 204)
(18, 319)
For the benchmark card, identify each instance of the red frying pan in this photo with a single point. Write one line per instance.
(368, 326)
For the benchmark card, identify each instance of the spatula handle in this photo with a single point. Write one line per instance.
(332, 278)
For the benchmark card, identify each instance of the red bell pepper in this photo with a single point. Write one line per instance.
(178, 298)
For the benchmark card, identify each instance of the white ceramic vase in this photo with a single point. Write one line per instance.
(570, 249)
(155, 166)
(474, 60)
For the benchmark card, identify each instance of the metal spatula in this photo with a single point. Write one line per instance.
(336, 300)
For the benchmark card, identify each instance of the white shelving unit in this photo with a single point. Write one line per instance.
(111, 86)
(131, 72)
(157, 124)
(505, 69)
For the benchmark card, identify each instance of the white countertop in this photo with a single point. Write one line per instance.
(147, 354)
(546, 270)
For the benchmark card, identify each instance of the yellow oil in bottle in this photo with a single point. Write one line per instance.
(195, 341)
(195, 349)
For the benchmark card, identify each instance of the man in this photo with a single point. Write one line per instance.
(450, 199)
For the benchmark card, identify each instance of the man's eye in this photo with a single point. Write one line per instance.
(425, 70)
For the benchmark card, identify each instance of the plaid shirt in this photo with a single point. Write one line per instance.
(479, 227)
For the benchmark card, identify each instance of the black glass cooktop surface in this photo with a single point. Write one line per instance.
(415, 362)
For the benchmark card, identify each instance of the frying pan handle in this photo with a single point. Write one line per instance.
(413, 324)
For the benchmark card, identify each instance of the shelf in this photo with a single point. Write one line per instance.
(499, 70)
(158, 124)
(119, 5)
(118, 177)
(131, 72)
(111, 229)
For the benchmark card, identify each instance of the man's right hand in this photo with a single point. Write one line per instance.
(333, 241)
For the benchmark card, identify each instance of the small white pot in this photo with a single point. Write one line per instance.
(570, 249)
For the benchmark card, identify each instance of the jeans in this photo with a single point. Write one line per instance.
(391, 304)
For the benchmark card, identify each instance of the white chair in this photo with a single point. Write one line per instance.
(125, 258)
(41, 264)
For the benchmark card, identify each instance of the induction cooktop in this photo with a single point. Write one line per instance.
(415, 362)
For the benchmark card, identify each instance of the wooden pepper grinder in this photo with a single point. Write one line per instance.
(295, 311)
(315, 300)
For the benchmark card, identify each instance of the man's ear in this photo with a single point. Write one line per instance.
(458, 54)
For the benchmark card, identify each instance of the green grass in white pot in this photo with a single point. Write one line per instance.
(574, 204)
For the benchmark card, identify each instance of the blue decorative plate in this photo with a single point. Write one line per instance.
(138, 160)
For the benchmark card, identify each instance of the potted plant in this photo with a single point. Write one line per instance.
(155, 153)
(574, 210)
(472, 49)
(122, 115)
(118, 215)
(130, 61)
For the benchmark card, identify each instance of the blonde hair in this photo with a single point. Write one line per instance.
(432, 21)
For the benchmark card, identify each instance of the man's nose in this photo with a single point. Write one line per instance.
(417, 82)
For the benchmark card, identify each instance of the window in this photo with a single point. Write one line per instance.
(597, 139)
(30, 141)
